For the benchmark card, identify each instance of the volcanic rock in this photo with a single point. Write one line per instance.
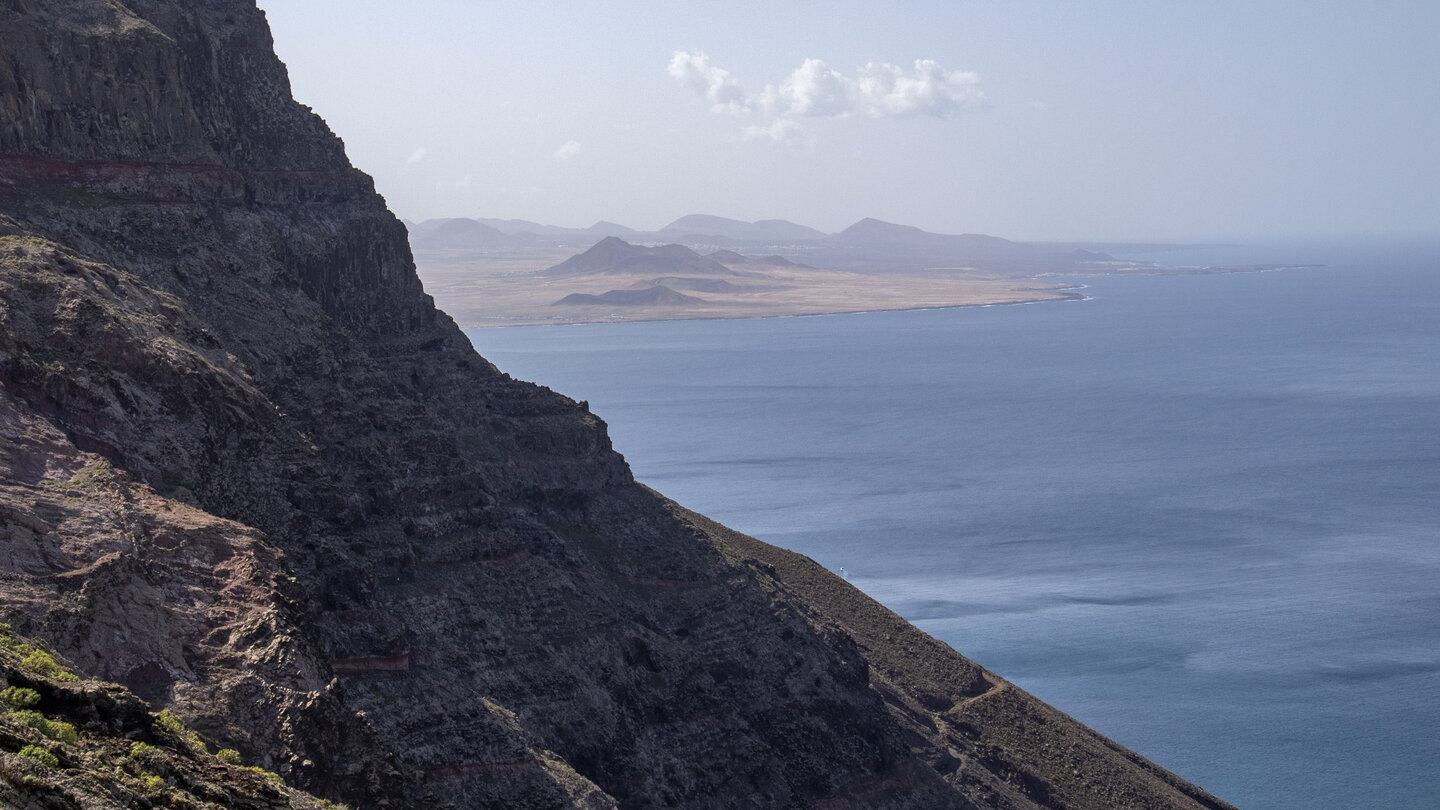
(250, 472)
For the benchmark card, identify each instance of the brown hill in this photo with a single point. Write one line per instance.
(248, 471)
(456, 234)
(614, 255)
(658, 295)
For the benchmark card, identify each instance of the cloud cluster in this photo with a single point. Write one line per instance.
(815, 90)
(714, 84)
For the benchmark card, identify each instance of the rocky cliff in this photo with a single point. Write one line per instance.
(249, 474)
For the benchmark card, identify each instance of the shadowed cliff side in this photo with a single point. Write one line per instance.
(248, 471)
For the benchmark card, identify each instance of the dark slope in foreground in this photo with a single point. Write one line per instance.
(249, 472)
(67, 741)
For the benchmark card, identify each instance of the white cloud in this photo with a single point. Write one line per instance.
(815, 90)
(884, 91)
(714, 84)
(416, 156)
(781, 129)
(812, 90)
(567, 150)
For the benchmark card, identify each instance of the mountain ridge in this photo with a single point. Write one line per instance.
(868, 245)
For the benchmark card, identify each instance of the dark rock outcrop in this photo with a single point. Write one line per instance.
(71, 742)
(249, 471)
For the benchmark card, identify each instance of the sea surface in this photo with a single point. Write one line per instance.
(1199, 513)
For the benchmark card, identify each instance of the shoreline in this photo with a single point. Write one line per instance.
(1063, 297)
(970, 293)
(486, 292)
(494, 295)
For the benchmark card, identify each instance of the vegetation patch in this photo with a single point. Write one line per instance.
(57, 730)
(40, 755)
(146, 761)
(44, 663)
(33, 658)
(167, 722)
(18, 697)
(271, 775)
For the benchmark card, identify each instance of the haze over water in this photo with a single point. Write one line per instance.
(1199, 513)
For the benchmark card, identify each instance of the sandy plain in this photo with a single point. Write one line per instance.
(508, 288)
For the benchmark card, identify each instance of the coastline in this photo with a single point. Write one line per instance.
(502, 297)
(651, 317)
(638, 318)
(493, 290)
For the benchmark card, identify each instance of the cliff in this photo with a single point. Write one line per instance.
(249, 474)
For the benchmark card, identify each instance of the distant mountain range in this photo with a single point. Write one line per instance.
(703, 227)
(693, 230)
(870, 245)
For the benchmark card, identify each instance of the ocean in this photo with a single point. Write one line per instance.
(1199, 513)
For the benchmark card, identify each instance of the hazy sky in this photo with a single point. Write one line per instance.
(1030, 119)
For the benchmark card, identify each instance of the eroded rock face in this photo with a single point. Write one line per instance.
(249, 471)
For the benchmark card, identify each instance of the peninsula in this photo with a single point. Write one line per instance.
(515, 273)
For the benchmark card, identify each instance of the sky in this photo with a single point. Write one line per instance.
(1028, 119)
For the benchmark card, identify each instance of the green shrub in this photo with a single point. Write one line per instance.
(229, 756)
(40, 755)
(143, 752)
(54, 729)
(18, 697)
(37, 660)
(61, 731)
(167, 722)
(271, 775)
(154, 783)
(33, 719)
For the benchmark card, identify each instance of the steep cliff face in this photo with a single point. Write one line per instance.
(249, 472)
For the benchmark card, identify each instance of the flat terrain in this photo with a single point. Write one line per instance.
(507, 288)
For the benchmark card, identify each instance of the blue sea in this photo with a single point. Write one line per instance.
(1199, 513)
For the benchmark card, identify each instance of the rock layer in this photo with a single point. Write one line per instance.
(249, 471)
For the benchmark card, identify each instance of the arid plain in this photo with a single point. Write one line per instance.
(511, 288)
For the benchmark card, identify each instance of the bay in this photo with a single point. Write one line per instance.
(1199, 513)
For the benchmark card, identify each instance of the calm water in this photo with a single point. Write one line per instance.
(1200, 514)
